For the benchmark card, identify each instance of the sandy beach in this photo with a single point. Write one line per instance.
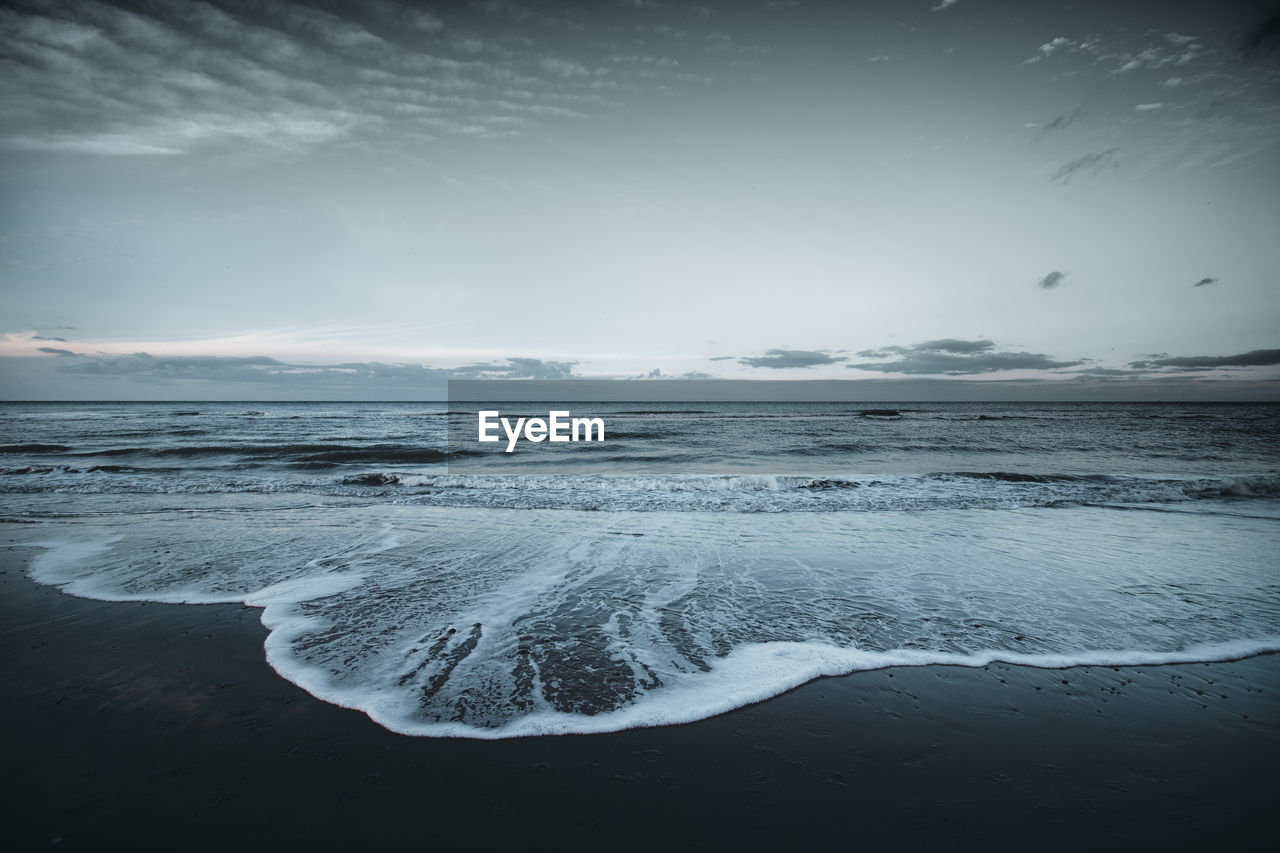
(152, 723)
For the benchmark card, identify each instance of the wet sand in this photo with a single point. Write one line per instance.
(150, 724)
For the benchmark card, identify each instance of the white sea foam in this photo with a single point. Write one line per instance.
(758, 672)
(493, 623)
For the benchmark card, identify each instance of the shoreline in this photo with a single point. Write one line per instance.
(130, 721)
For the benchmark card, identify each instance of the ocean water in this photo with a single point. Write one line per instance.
(701, 558)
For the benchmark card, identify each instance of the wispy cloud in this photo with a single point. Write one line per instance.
(1059, 123)
(1202, 282)
(1095, 162)
(1185, 65)
(1051, 47)
(1153, 51)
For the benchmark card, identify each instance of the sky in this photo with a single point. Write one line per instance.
(272, 200)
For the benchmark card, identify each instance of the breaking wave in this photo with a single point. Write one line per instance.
(465, 622)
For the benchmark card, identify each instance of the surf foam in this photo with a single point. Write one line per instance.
(492, 624)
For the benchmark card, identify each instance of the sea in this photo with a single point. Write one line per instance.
(701, 558)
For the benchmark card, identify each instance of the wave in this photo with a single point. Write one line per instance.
(746, 676)
(1015, 477)
(625, 413)
(38, 469)
(552, 624)
(775, 493)
(745, 493)
(396, 454)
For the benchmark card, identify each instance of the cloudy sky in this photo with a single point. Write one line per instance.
(271, 200)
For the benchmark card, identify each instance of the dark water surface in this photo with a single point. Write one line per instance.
(702, 557)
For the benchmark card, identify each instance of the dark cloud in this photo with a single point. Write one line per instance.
(53, 350)
(1061, 122)
(878, 390)
(1202, 282)
(113, 78)
(43, 338)
(722, 358)
(515, 368)
(957, 346)
(1096, 162)
(955, 357)
(1105, 371)
(784, 359)
(657, 373)
(1052, 280)
(535, 368)
(1253, 358)
(145, 367)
